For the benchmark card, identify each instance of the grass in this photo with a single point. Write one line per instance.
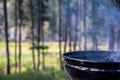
(51, 62)
(42, 75)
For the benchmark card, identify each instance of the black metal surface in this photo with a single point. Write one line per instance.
(91, 65)
(77, 74)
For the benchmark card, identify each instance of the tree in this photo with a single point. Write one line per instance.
(38, 31)
(112, 39)
(77, 16)
(32, 32)
(42, 9)
(24, 16)
(68, 27)
(19, 27)
(60, 35)
(16, 27)
(6, 36)
(94, 26)
(84, 26)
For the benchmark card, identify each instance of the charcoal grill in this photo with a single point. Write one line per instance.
(92, 65)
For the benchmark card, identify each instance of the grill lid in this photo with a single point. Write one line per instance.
(92, 59)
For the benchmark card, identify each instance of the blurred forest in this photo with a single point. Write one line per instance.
(46, 26)
(82, 18)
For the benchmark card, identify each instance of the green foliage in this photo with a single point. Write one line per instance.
(26, 9)
(40, 47)
(47, 9)
(41, 75)
(51, 63)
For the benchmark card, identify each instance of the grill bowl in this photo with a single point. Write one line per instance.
(92, 65)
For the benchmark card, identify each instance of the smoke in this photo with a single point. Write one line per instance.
(114, 57)
(109, 12)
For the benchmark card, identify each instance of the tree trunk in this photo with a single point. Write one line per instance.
(6, 36)
(76, 24)
(68, 27)
(19, 26)
(16, 28)
(69, 37)
(43, 59)
(94, 31)
(60, 36)
(79, 21)
(95, 42)
(119, 39)
(84, 23)
(32, 32)
(39, 30)
(111, 39)
(42, 37)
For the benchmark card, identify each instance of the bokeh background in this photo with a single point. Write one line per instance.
(35, 33)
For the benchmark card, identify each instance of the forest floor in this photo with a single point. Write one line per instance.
(41, 75)
(52, 71)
